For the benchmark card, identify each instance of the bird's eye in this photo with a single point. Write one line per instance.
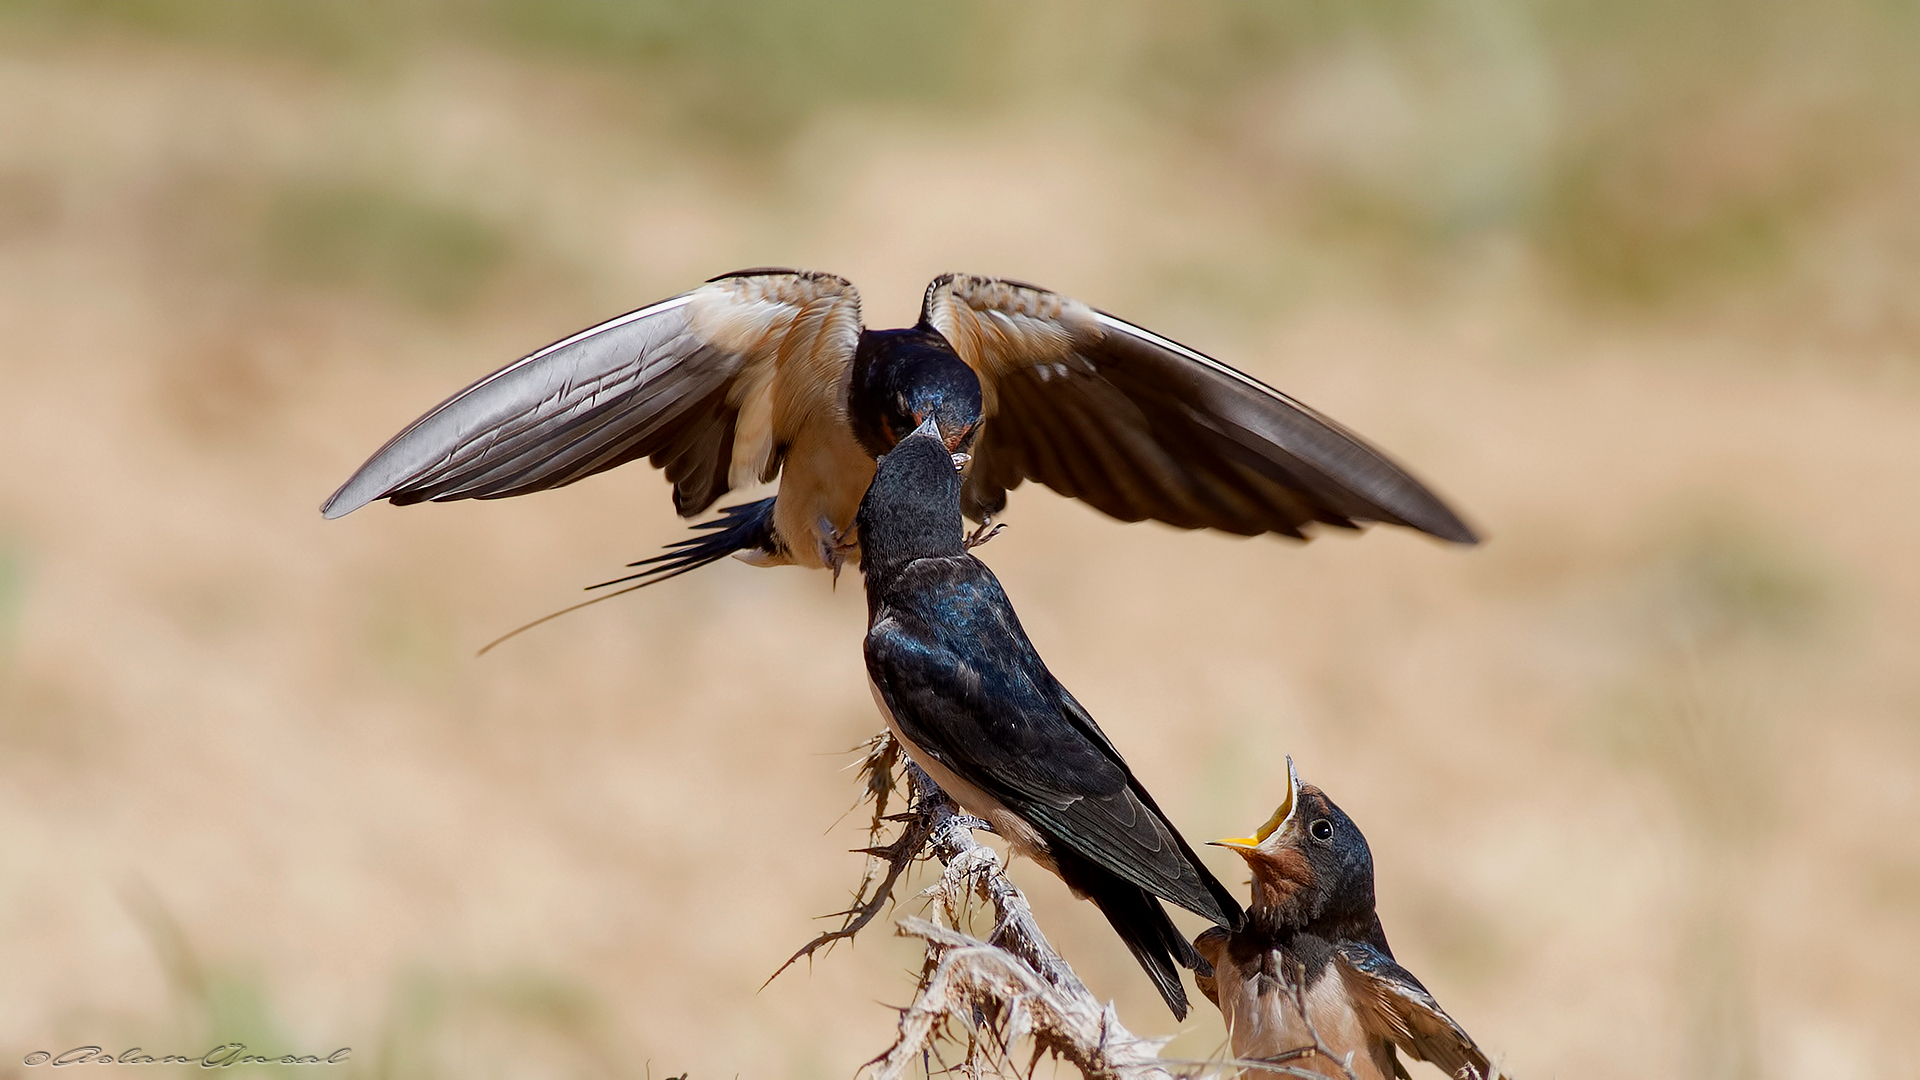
(1322, 830)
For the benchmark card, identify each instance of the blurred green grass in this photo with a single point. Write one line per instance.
(1644, 152)
(384, 241)
(13, 588)
(437, 1022)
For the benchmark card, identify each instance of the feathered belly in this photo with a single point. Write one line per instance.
(1010, 826)
(1263, 1020)
(822, 480)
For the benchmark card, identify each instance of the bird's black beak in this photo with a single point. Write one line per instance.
(931, 429)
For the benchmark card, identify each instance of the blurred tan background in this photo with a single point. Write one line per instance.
(1634, 284)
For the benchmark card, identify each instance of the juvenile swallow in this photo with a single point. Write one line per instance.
(973, 704)
(1312, 937)
(768, 373)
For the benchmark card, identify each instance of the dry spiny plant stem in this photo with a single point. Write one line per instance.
(885, 863)
(1014, 987)
(991, 996)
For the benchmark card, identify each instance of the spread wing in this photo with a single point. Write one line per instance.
(711, 386)
(1099, 409)
(1395, 1005)
(975, 695)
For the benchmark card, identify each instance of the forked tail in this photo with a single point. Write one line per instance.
(746, 527)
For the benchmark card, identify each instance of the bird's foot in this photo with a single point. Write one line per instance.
(987, 531)
(836, 546)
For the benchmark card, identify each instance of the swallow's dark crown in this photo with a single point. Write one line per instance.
(899, 372)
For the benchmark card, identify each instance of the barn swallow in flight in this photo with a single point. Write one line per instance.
(765, 373)
(973, 704)
(1312, 939)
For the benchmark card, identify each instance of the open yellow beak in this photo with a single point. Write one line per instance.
(1279, 818)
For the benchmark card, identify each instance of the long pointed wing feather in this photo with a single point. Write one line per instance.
(1398, 1007)
(709, 385)
(1143, 427)
(967, 686)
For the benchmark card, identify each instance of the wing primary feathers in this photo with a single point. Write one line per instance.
(1141, 426)
(664, 382)
(1140, 922)
(1365, 469)
(1402, 1010)
(394, 467)
(963, 682)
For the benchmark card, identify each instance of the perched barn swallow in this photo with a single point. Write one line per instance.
(974, 705)
(1312, 938)
(765, 373)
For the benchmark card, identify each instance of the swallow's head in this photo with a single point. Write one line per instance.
(946, 392)
(1310, 863)
(912, 508)
(904, 378)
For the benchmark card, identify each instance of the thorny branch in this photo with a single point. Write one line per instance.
(1009, 988)
(885, 863)
(991, 995)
